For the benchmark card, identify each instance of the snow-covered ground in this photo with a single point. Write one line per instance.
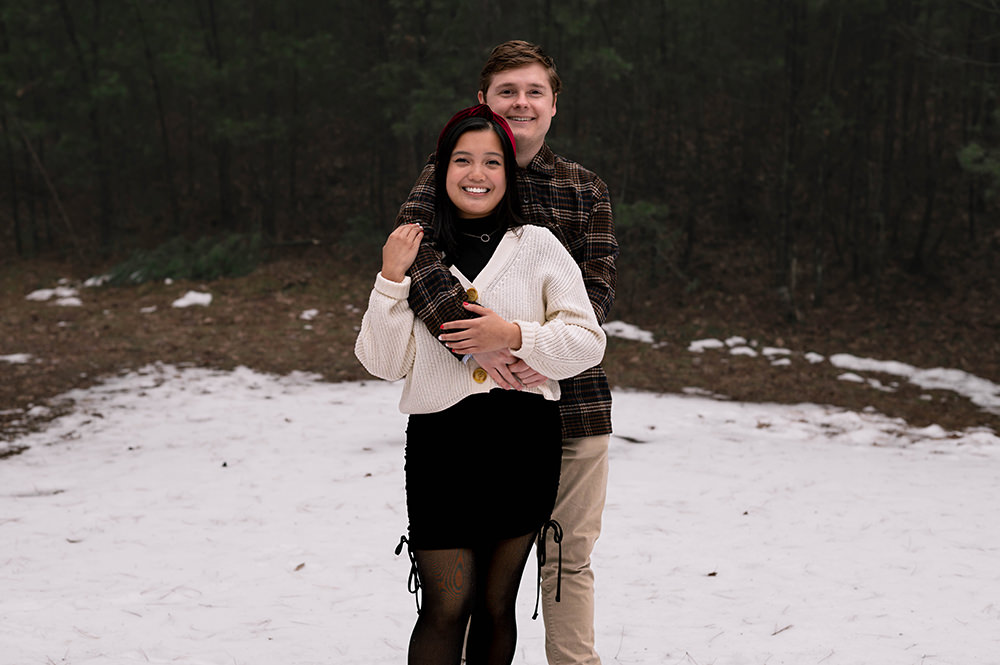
(184, 515)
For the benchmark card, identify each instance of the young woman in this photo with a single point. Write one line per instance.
(482, 464)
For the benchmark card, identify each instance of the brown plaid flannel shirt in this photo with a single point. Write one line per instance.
(574, 204)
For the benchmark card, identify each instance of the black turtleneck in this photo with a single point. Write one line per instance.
(474, 251)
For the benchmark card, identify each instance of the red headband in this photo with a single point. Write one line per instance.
(478, 111)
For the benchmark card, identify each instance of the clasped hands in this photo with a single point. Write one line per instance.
(489, 338)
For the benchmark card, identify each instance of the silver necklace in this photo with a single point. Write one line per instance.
(483, 237)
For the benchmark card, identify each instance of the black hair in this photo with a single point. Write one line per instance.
(507, 212)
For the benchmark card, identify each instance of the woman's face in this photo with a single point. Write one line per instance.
(476, 179)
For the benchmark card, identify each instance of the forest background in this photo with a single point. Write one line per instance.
(812, 173)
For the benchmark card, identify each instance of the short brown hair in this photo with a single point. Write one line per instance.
(514, 54)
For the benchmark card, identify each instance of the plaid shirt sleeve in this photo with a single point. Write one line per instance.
(435, 295)
(598, 265)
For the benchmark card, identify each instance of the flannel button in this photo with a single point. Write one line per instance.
(472, 294)
(479, 375)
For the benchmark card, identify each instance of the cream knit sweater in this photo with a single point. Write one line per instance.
(530, 280)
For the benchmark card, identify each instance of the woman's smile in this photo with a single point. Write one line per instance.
(476, 180)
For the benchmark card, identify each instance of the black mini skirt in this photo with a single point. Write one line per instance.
(483, 470)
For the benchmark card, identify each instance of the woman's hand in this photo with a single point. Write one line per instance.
(400, 250)
(488, 332)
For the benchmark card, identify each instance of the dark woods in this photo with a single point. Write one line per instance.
(821, 138)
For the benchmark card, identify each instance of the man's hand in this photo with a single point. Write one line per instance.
(528, 377)
(488, 332)
(508, 371)
(400, 250)
(496, 364)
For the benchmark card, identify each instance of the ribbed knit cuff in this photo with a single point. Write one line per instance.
(529, 334)
(394, 290)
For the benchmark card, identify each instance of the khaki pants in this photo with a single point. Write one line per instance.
(583, 483)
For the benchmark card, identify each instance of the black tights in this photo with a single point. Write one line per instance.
(457, 584)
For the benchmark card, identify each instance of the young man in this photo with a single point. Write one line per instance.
(520, 83)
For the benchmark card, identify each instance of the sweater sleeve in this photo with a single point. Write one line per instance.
(570, 340)
(386, 345)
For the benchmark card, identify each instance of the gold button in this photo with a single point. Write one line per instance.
(472, 294)
(479, 375)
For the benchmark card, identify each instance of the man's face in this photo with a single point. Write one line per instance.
(524, 98)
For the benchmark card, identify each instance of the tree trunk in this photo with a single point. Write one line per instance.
(168, 160)
(102, 166)
(15, 202)
(221, 143)
(795, 15)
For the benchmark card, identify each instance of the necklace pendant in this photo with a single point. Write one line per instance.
(483, 237)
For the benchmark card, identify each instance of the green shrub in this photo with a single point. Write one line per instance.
(206, 258)
(982, 161)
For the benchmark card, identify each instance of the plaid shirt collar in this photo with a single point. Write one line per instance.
(544, 162)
